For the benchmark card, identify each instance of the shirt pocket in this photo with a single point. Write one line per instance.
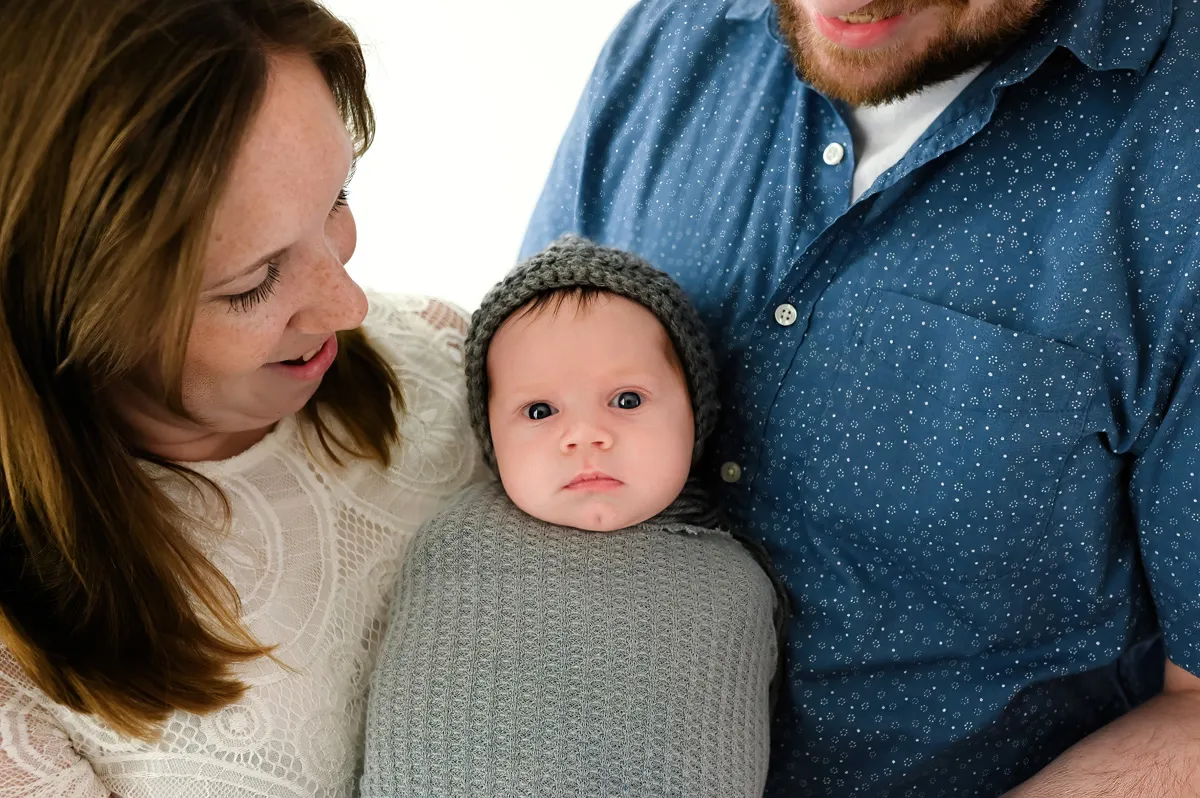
(944, 441)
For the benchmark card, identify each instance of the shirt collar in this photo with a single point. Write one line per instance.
(1108, 34)
(1103, 34)
(746, 10)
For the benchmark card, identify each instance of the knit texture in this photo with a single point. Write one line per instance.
(572, 262)
(526, 659)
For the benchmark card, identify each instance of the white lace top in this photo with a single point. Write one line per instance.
(313, 553)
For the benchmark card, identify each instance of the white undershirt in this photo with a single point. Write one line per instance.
(884, 133)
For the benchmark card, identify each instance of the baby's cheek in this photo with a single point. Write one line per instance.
(671, 460)
(519, 478)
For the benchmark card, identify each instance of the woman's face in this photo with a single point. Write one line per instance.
(275, 288)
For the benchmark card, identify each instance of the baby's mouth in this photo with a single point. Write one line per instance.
(593, 480)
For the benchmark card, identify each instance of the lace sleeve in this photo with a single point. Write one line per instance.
(37, 759)
(399, 322)
(442, 315)
(450, 324)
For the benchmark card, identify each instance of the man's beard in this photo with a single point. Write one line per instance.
(952, 51)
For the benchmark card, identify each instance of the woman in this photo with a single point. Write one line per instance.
(213, 453)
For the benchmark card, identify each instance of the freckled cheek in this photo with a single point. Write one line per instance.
(220, 348)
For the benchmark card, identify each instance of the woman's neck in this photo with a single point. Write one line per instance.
(201, 446)
(156, 430)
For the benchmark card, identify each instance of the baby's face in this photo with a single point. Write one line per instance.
(590, 414)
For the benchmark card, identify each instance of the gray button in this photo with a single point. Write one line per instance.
(731, 472)
(786, 315)
(834, 154)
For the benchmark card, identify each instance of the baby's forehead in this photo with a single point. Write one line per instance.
(582, 306)
(540, 324)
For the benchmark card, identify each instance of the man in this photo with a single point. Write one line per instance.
(958, 339)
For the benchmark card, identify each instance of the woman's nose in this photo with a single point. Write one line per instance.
(332, 302)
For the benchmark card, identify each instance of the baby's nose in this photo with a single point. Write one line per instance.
(586, 434)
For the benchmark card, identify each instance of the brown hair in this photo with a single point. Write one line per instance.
(119, 121)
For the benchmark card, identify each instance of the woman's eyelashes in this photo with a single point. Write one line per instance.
(247, 300)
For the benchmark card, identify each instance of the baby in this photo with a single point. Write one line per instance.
(582, 628)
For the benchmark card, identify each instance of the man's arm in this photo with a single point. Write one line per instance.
(1154, 752)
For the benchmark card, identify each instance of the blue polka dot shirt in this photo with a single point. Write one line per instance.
(961, 412)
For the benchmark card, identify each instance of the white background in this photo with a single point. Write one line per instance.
(472, 98)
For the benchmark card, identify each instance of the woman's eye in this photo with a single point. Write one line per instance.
(628, 400)
(246, 300)
(342, 201)
(539, 411)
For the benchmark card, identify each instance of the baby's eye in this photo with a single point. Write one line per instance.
(539, 411)
(628, 400)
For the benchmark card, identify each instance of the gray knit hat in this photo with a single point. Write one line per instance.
(573, 262)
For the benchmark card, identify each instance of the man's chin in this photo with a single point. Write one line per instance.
(857, 81)
(863, 77)
(934, 49)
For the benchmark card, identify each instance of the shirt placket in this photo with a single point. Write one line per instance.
(785, 317)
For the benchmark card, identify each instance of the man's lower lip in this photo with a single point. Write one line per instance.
(856, 36)
(315, 368)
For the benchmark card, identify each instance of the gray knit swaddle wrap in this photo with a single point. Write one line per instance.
(526, 659)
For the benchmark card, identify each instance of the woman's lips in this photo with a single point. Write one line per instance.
(593, 481)
(316, 367)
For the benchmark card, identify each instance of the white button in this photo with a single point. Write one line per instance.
(834, 154)
(786, 315)
(731, 472)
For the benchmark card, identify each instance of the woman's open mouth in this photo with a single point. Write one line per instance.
(311, 365)
(300, 361)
